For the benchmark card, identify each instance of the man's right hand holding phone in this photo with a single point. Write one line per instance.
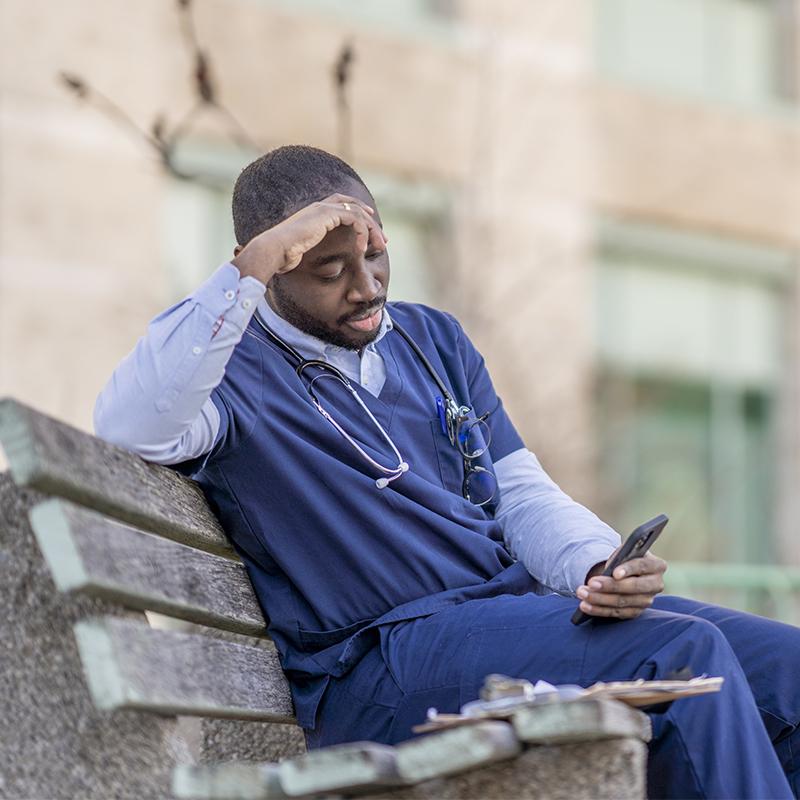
(626, 593)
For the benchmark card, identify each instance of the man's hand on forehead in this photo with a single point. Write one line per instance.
(281, 248)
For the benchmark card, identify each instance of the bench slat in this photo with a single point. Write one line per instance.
(354, 769)
(453, 751)
(234, 780)
(60, 460)
(341, 769)
(92, 555)
(132, 666)
(611, 769)
(580, 721)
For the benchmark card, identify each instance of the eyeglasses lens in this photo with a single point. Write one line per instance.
(480, 485)
(473, 437)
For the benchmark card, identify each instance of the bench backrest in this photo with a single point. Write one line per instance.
(143, 537)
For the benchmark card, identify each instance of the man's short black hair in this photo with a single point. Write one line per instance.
(282, 182)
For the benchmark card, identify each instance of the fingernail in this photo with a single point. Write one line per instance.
(582, 593)
(595, 585)
(621, 573)
(585, 606)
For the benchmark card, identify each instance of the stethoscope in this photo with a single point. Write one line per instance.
(450, 412)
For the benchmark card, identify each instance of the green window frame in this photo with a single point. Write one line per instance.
(437, 21)
(692, 371)
(735, 51)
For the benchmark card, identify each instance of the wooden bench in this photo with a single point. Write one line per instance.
(136, 664)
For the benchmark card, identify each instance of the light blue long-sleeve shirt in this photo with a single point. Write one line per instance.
(158, 404)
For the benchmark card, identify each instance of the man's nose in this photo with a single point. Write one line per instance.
(365, 284)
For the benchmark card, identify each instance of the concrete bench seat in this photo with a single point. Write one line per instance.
(593, 751)
(136, 661)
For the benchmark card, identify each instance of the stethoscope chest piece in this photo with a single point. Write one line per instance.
(382, 483)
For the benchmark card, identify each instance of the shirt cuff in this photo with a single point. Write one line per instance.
(228, 297)
(584, 560)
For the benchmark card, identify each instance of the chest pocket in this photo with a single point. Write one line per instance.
(451, 462)
(451, 467)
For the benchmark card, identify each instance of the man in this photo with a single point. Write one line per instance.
(402, 540)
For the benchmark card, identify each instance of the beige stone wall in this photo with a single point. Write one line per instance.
(528, 234)
(697, 166)
(506, 110)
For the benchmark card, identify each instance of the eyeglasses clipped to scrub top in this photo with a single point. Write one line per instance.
(469, 434)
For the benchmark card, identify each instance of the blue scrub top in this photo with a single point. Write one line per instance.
(331, 556)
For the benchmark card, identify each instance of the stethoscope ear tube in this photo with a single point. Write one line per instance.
(426, 363)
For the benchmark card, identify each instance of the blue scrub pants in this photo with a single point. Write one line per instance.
(740, 743)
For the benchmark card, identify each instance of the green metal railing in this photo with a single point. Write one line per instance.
(765, 589)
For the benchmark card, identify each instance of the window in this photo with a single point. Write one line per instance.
(692, 367)
(198, 234)
(416, 219)
(735, 50)
(427, 18)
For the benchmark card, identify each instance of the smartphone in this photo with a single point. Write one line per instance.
(636, 545)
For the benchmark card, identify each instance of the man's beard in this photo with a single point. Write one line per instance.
(302, 320)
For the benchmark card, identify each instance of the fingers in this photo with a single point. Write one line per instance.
(626, 612)
(643, 584)
(628, 593)
(645, 565)
(620, 606)
(306, 228)
(341, 199)
(609, 600)
(355, 212)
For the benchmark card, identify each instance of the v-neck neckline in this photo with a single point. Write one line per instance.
(383, 406)
(385, 403)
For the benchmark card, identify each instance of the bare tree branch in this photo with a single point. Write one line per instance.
(163, 139)
(342, 73)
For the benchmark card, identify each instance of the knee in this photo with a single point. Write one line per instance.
(699, 645)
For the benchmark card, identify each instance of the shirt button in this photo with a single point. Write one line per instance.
(230, 294)
(197, 350)
(247, 303)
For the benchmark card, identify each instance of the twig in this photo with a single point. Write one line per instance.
(342, 71)
(161, 138)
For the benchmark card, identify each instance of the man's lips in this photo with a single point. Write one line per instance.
(367, 322)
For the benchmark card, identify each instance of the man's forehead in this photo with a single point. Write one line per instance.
(340, 240)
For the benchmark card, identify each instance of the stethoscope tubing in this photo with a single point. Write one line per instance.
(391, 473)
(453, 408)
(304, 363)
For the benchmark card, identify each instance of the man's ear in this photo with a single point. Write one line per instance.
(236, 250)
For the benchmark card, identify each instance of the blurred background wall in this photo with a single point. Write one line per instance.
(605, 192)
